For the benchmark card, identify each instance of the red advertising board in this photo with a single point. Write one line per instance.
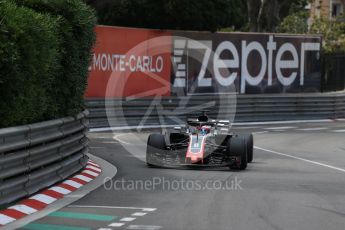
(147, 63)
(130, 63)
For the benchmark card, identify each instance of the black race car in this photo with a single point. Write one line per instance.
(201, 142)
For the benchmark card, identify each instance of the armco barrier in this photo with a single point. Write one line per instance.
(36, 156)
(249, 108)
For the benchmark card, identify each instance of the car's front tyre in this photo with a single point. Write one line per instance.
(155, 144)
(237, 147)
(248, 138)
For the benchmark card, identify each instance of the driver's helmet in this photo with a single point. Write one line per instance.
(205, 129)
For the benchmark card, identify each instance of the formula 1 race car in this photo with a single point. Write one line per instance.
(201, 142)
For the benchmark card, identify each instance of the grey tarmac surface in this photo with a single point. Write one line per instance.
(296, 182)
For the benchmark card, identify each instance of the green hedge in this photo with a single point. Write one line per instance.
(44, 57)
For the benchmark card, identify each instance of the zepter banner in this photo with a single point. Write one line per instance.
(255, 63)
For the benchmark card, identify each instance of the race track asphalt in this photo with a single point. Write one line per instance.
(297, 181)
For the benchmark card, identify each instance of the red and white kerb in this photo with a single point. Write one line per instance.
(41, 200)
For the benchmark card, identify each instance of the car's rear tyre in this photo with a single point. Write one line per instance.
(250, 146)
(238, 148)
(155, 144)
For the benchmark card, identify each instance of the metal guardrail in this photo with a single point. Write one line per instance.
(249, 108)
(33, 157)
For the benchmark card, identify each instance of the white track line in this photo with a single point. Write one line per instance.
(302, 159)
(131, 127)
(339, 131)
(117, 138)
(139, 214)
(313, 129)
(149, 209)
(143, 227)
(109, 142)
(116, 224)
(113, 207)
(127, 219)
(249, 127)
(287, 122)
(280, 128)
(260, 132)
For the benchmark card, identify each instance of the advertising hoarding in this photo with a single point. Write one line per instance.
(199, 63)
